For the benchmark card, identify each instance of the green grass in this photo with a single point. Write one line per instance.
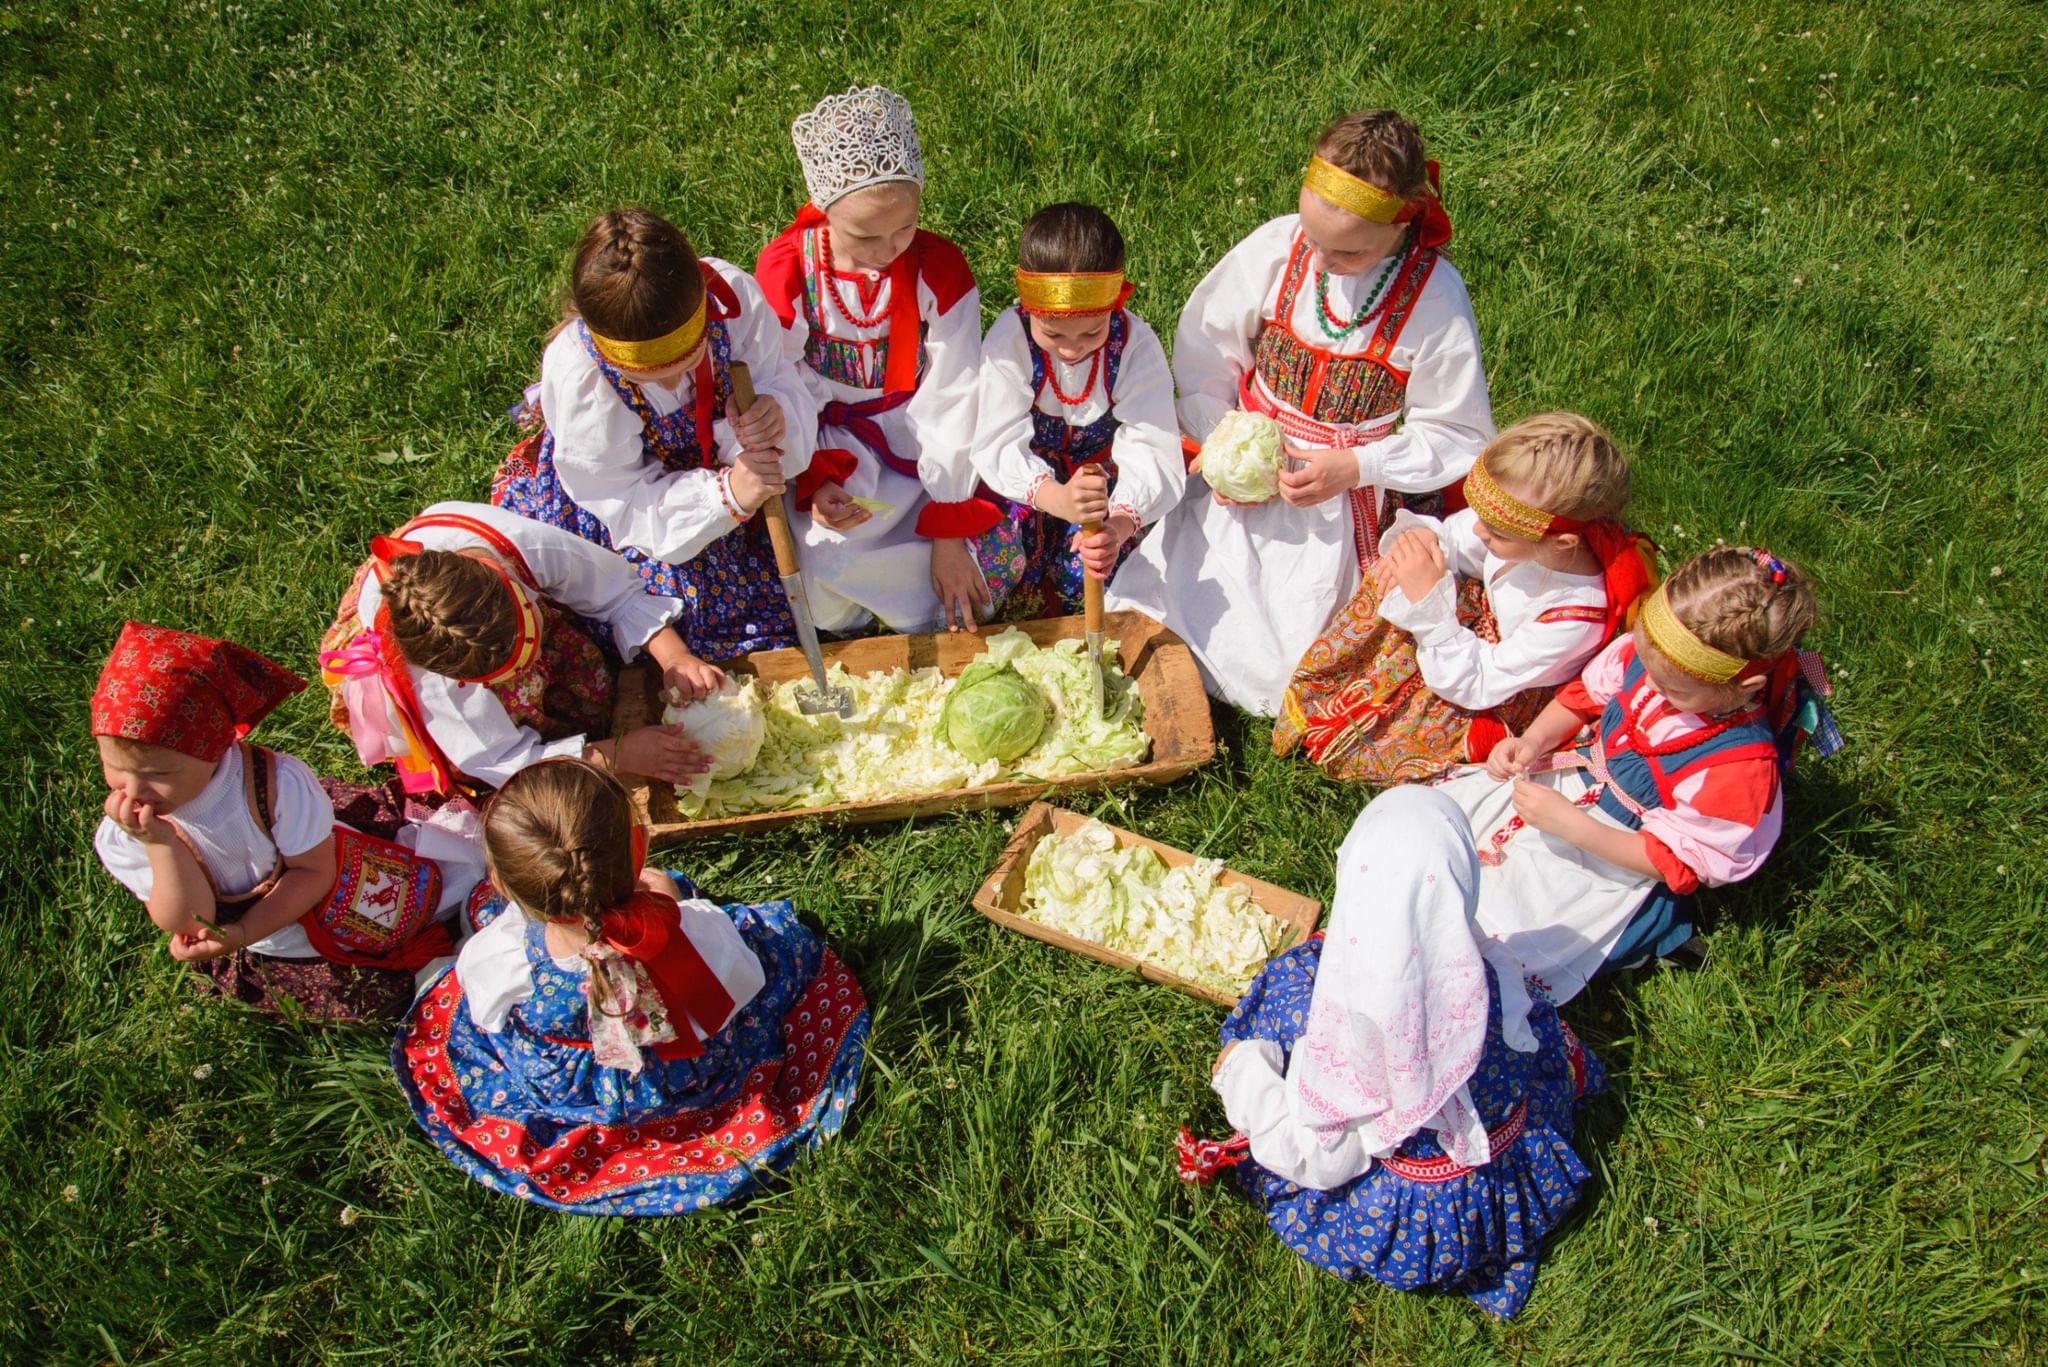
(269, 275)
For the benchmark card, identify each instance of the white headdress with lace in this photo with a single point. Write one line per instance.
(863, 137)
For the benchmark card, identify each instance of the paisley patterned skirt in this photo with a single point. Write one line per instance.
(1357, 705)
(1475, 1231)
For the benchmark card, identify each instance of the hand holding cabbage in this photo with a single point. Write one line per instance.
(1241, 458)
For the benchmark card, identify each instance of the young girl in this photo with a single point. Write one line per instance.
(234, 851)
(609, 1043)
(1404, 1108)
(1592, 852)
(887, 323)
(1345, 324)
(1460, 631)
(472, 644)
(1076, 420)
(633, 453)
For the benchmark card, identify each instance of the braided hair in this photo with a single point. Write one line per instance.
(559, 839)
(635, 276)
(1563, 463)
(451, 613)
(1380, 147)
(1743, 601)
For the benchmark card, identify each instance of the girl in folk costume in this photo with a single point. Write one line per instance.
(1592, 850)
(1343, 323)
(1076, 426)
(634, 453)
(1404, 1107)
(468, 647)
(610, 1043)
(1463, 627)
(234, 851)
(886, 322)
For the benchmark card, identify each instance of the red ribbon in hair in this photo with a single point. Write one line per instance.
(647, 928)
(1628, 570)
(1432, 222)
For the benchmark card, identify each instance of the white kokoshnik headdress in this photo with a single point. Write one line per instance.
(861, 138)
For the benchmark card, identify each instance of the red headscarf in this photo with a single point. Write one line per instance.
(186, 693)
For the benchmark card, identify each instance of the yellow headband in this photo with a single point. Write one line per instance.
(1501, 510)
(1353, 195)
(1675, 641)
(656, 353)
(1066, 294)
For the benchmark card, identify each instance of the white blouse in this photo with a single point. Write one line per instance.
(496, 975)
(936, 427)
(1532, 652)
(670, 516)
(466, 720)
(1448, 416)
(1146, 448)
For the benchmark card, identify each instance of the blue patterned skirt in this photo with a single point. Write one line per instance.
(732, 597)
(528, 1112)
(1419, 1221)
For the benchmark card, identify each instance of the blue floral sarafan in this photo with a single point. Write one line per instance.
(1418, 1220)
(732, 597)
(527, 1111)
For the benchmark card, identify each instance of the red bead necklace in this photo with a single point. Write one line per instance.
(829, 286)
(1052, 377)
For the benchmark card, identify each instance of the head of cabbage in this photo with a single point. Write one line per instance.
(1241, 458)
(993, 712)
(729, 725)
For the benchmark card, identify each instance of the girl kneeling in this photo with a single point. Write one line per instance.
(1405, 1110)
(610, 1043)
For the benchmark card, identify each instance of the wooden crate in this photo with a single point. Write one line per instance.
(1176, 718)
(1003, 891)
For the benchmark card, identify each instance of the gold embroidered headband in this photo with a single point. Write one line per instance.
(1509, 515)
(1067, 294)
(656, 353)
(1361, 197)
(1676, 642)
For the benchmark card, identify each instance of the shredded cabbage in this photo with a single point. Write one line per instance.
(731, 725)
(1182, 919)
(892, 746)
(1241, 458)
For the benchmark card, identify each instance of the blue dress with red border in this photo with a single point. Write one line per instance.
(732, 597)
(528, 1112)
(1049, 579)
(1417, 1220)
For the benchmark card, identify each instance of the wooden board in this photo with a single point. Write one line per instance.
(1176, 718)
(1002, 893)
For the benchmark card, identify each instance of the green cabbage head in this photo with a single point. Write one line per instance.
(1241, 458)
(993, 712)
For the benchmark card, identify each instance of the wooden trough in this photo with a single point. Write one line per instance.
(1176, 718)
(1002, 894)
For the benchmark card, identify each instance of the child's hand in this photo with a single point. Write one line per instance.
(1542, 806)
(138, 819)
(1221, 1055)
(1324, 473)
(1510, 759)
(1098, 549)
(834, 508)
(956, 578)
(690, 678)
(1418, 562)
(760, 427)
(193, 949)
(1085, 497)
(660, 752)
(755, 477)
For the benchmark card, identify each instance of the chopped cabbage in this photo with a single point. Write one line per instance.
(892, 747)
(992, 711)
(730, 725)
(1182, 919)
(1241, 458)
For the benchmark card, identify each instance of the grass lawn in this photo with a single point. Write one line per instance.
(270, 274)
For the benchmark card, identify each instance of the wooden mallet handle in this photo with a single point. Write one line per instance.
(774, 509)
(1091, 589)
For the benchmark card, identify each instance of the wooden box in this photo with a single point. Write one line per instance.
(1176, 718)
(1003, 891)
